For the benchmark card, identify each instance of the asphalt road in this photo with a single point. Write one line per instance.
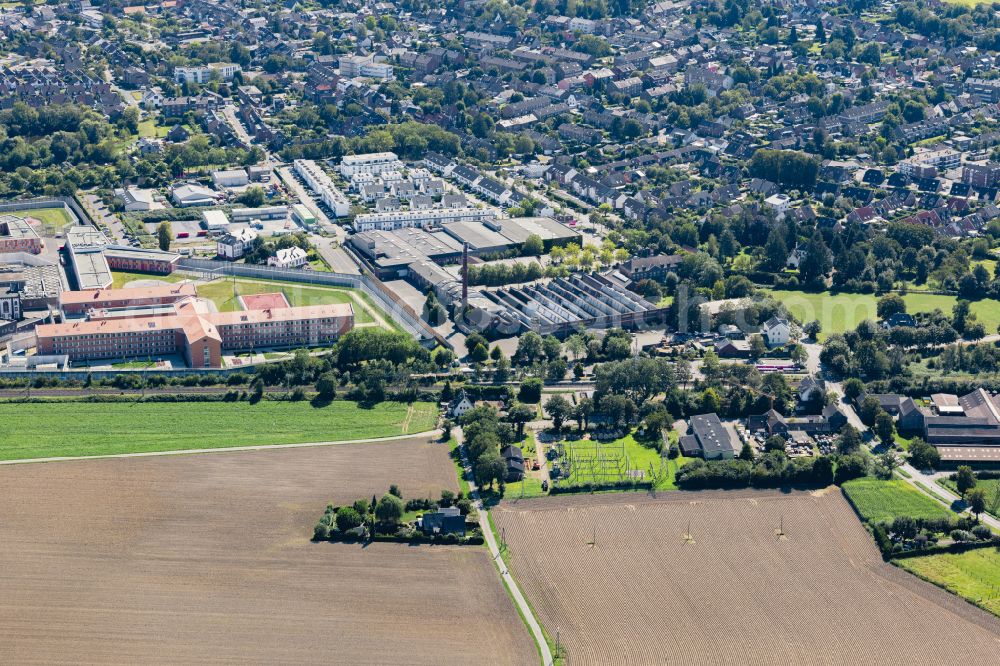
(918, 478)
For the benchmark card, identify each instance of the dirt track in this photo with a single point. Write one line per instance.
(206, 559)
(740, 593)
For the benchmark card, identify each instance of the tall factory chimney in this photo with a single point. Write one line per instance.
(465, 276)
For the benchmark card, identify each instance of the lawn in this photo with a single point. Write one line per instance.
(973, 575)
(220, 292)
(149, 129)
(456, 458)
(527, 487)
(841, 312)
(70, 428)
(54, 220)
(881, 501)
(123, 278)
(639, 457)
(989, 486)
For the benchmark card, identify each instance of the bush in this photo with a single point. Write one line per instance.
(321, 531)
(850, 467)
(416, 504)
(982, 532)
(348, 518)
(962, 535)
(531, 390)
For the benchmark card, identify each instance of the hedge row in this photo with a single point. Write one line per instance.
(558, 489)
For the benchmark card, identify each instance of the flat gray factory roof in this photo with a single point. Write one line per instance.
(519, 228)
(412, 244)
(477, 235)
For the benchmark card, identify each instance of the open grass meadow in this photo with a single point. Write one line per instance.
(73, 428)
(837, 313)
(973, 575)
(881, 501)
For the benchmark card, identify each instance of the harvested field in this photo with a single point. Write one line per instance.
(740, 593)
(206, 559)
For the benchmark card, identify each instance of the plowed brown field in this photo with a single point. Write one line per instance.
(206, 559)
(739, 594)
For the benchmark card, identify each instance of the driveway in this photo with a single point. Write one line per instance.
(927, 484)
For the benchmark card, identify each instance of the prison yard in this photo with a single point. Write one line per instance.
(51, 221)
(75, 428)
(224, 293)
(727, 578)
(207, 559)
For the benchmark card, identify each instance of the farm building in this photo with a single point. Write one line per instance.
(708, 439)
(963, 429)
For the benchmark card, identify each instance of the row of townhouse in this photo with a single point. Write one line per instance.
(321, 184)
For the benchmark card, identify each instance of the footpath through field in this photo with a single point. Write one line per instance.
(227, 449)
(515, 592)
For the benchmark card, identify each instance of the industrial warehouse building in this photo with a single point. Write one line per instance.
(560, 306)
(391, 252)
(147, 328)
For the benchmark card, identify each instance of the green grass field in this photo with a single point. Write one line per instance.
(640, 457)
(122, 279)
(973, 575)
(989, 486)
(54, 220)
(456, 458)
(149, 129)
(842, 312)
(525, 488)
(67, 428)
(220, 292)
(881, 501)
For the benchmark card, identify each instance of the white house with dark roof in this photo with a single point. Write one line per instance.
(776, 331)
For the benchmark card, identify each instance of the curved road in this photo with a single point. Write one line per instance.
(491, 542)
